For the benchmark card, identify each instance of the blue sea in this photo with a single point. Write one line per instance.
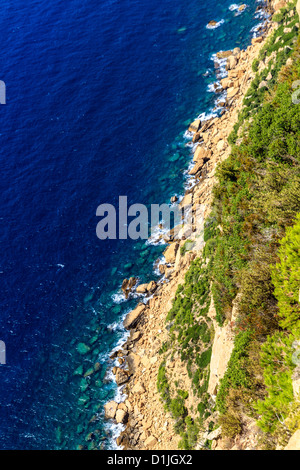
(99, 96)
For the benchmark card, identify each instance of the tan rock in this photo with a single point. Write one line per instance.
(226, 83)
(278, 4)
(151, 287)
(232, 92)
(121, 416)
(296, 381)
(121, 376)
(133, 317)
(133, 361)
(110, 410)
(138, 389)
(141, 289)
(195, 126)
(257, 40)
(294, 442)
(198, 166)
(224, 54)
(170, 253)
(150, 442)
(123, 407)
(231, 62)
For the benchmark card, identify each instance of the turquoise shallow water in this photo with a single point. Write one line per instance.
(99, 95)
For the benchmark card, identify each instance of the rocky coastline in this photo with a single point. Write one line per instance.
(147, 424)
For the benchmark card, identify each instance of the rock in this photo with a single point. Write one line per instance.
(174, 199)
(257, 40)
(186, 201)
(197, 168)
(123, 407)
(201, 154)
(133, 317)
(212, 23)
(269, 76)
(121, 376)
(263, 84)
(133, 361)
(196, 137)
(78, 371)
(142, 289)
(162, 268)
(294, 442)
(89, 372)
(127, 285)
(296, 381)
(83, 349)
(170, 253)
(231, 62)
(195, 126)
(278, 4)
(150, 442)
(221, 146)
(135, 335)
(138, 389)
(121, 417)
(110, 410)
(151, 287)
(243, 7)
(214, 434)
(224, 54)
(231, 92)
(226, 83)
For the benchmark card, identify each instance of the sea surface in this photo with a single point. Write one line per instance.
(99, 96)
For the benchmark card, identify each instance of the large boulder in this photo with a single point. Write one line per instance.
(141, 289)
(127, 286)
(150, 442)
(133, 361)
(110, 409)
(170, 253)
(195, 126)
(201, 154)
(122, 376)
(134, 316)
(224, 54)
(121, 417)
(198, 166)
(231, 62)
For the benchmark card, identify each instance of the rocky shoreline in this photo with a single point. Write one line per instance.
(148, 426)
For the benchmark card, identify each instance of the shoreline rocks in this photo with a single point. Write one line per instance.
(147, 424)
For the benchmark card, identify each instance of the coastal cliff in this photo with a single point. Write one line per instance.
(210, 360)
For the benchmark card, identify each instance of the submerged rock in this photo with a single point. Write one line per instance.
(83, 348)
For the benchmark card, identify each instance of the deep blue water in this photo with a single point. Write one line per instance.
(99, 94)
